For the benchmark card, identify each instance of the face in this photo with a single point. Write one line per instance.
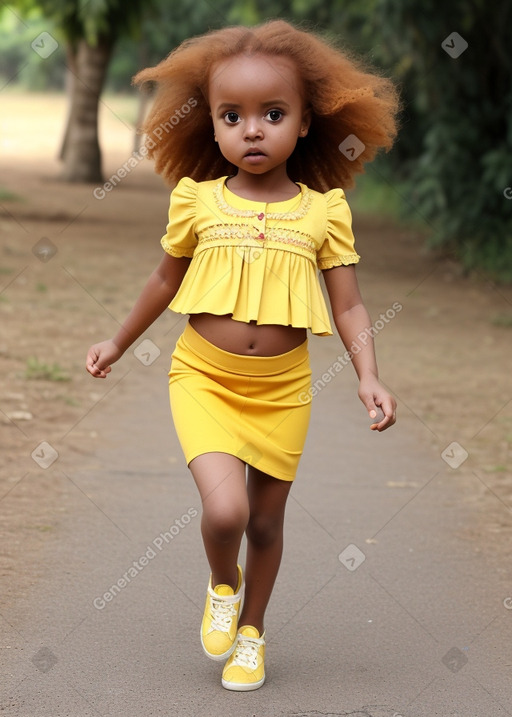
(258, 113)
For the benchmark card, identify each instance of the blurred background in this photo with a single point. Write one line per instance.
(81, 215)
(451, 168)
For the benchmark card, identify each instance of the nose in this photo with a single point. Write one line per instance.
(253, 129)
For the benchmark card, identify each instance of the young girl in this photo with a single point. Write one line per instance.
(261, 128)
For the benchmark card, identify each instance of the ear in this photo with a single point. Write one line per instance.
(306, 122)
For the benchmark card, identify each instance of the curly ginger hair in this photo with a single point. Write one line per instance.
(345, 99)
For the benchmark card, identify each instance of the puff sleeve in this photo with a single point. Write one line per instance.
(338, 246)
(180, 238)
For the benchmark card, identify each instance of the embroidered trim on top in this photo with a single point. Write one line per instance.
(301, 211)
(278, 236)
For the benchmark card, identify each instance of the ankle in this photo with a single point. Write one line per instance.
(252, 622)
(226, 578)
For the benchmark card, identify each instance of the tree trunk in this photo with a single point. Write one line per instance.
(70, 80)
(81, 152)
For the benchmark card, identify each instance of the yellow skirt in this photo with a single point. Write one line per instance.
(256, 408)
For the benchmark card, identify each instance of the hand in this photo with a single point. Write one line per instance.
(100, 356)
(377, 399)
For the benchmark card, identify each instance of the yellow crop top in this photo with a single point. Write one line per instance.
(257, 261)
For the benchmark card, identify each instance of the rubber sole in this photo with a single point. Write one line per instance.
(244, 687)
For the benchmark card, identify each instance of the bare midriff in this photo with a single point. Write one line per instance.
(239, 337)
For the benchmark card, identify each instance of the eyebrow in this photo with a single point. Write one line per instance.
(235, 106)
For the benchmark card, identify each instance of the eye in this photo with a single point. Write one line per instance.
(231, 117)
(274, 115)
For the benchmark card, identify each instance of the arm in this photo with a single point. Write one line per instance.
(352, 319)
(156, 295)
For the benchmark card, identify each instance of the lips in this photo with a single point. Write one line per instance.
(254, 153)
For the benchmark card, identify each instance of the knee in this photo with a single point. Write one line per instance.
(225, 525)
(263, 530)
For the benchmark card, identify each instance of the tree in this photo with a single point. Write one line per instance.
(91, 29)
(455, 66)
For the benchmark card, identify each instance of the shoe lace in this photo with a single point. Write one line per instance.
(246, 652)
(222, 614)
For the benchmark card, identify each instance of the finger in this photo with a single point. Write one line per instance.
(376, 414)
(382, 425)
(96, 372)
(102, 372)
(91, 359)
(388, 420)
(93, 368)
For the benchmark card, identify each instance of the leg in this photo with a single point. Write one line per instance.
(221, 481)
(267, 501)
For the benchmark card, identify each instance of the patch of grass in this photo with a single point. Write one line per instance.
(42, 528)
(503, 320)
(39, 370)
(5, 195)
(4, 270)
(69, 400)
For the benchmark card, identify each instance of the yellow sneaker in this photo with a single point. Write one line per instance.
(245, 669)
(220, 619)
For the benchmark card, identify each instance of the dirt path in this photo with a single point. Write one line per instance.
(71, 265)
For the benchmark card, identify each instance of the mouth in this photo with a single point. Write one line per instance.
(254, 153)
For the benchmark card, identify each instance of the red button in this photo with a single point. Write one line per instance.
(260, 216)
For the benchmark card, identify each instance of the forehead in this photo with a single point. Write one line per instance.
(255, 74)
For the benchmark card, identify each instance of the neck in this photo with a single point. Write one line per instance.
(274, 186)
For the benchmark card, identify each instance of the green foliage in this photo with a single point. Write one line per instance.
(89, 19)
(6, 194)
(373, 195)
(502, 320)
(456, 140)
(19, 63)
(40, 370)
(66, 21)
(163, 26)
